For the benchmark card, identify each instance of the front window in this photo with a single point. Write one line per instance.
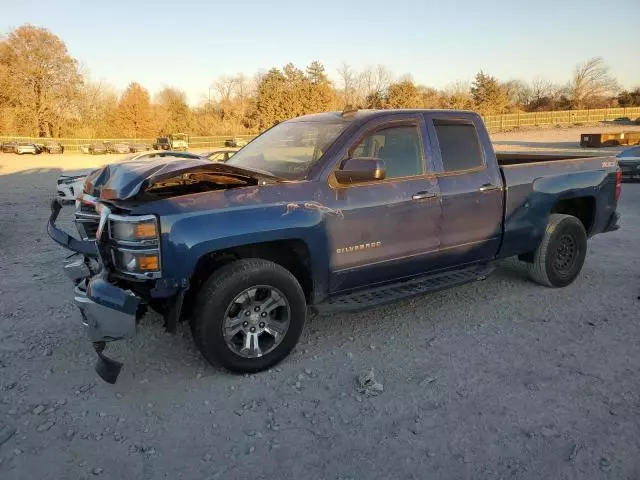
(289, 149)
(399, 147)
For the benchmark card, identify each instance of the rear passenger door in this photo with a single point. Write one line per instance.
(470, 189)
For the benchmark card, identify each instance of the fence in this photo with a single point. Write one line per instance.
(500, 123)
(494, 123)
(73, 144)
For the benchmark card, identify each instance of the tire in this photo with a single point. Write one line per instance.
(560, 256)
(218, 298)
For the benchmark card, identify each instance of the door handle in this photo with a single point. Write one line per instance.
(487, 187)
(423, 195)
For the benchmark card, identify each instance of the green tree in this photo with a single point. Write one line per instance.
(270, 105)
(488, 96)
(403, 94)
(320, 95)
(374, 100)
(40, 80)
(134, 112)
(629, 98)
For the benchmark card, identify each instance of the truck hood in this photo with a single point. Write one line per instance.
(164, 178)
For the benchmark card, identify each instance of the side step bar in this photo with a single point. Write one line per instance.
(381, 295)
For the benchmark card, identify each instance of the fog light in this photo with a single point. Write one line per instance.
(137, 262)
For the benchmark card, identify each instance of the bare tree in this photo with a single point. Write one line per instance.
(591, 81)
(349, 80)
(540, 88)
(226, 87)
(373, 82)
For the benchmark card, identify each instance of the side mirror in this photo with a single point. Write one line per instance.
(361, 169)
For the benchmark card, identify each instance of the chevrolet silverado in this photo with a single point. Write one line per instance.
(328, 212)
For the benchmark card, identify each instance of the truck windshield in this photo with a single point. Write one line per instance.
(289, 149)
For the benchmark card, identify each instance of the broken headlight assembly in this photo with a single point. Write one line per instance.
(135, 245)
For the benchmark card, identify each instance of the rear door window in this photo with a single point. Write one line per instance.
(460, 147)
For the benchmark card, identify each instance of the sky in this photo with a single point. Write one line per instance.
(187, 44)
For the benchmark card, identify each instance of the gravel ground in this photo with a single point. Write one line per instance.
(566, 138)
(498, 379)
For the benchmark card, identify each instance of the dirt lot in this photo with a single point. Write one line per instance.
(499, 379)
(561, 138)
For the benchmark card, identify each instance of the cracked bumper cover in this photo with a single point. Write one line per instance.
(108, 313)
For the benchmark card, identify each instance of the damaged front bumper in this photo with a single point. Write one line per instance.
(108, 312)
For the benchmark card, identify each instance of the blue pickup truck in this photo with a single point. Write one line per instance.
(329, 212)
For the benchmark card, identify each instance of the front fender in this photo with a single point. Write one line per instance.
(188, 237)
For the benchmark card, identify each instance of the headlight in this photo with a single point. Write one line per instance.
(135, 244)
(132, 261)
(133, 229)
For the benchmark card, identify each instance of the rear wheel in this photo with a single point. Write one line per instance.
(249, 315)
(560, 256)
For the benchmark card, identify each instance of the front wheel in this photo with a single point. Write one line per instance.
(560, 256)
(249, 315)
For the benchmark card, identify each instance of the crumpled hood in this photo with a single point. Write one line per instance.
(122, 181)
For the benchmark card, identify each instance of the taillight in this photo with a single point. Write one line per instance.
(618, 183)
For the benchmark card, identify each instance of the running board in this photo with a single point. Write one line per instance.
(381, 295)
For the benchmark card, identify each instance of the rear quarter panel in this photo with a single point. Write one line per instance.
(533, 189)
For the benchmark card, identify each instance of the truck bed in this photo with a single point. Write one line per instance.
(535, 183)
(517, 158)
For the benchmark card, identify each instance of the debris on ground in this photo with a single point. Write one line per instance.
(367, 384)
(427, 381)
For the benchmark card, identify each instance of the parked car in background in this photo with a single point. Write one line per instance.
(84, 148)
(121, 148)
(179, 141)
(70, 184)
(27, 148)
(219, 155)
(629, 162)
(10, 147)
(235, 142)
(97, 148)
(162, 143)
(53, 147)
(109, 147)
(138, 147)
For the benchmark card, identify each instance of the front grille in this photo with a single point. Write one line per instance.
(87, 221)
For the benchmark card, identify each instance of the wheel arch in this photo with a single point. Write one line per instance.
(292, 254)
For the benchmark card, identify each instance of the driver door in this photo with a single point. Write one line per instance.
(387, 228)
